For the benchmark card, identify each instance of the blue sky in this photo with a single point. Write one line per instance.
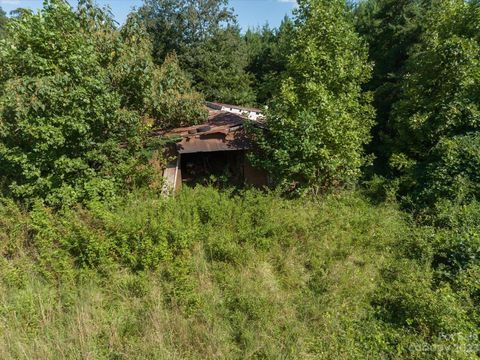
(251, 13)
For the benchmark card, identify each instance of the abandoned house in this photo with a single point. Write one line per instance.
(214, 152)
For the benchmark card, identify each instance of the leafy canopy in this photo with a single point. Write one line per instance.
(74, 96)
(218, 66)
(206, 38)
(61, 120)
(3, 22)
(437, 119)
(317, 127)
(392, 28)
(178, 25)
(163, 93)
(268, 51)
(174, 102)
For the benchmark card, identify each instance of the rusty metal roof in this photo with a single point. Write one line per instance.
(223, 131)
(213, 142)
(217, 120)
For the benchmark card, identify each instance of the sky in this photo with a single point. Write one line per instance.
(251, 13)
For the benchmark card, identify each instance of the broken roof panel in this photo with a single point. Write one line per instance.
(219, 106)
(223, 131)
(217, 120)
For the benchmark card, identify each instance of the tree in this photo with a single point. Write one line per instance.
(164, 93)
(218, 68)
(392, 28)
(317, 127)
(174, 103)
(268, 51)
(436, 120)
(3, 22)
(179, 25)
(75, 98)
(207, 41)
(61, 122)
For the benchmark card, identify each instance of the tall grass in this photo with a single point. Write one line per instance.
(212, 274)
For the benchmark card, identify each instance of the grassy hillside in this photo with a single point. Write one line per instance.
(216, 275)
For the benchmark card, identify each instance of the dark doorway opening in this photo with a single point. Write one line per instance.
(219, 168)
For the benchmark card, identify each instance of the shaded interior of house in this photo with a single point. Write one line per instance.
(214, 153)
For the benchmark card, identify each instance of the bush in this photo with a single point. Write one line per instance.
(452, 172)
(220, 274)
(436, 119)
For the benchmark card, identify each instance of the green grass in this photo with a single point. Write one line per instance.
(215, 275)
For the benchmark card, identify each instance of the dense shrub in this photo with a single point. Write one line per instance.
(61, 121)
(452, 172)
(219, 274)
(3, 22)
(164, 92)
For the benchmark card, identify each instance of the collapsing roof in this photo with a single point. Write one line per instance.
(220, 106)
(223, 132)
(249, 113)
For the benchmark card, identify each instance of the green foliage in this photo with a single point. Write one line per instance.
(75, 95)
(61, 121)
(268, 51)
(218, 67)
(435, 160)
(164, 92)
(174, 102)
(452, 171)
(316, 129)
(3, 22)
(178, 25)
(87, 273)
(436, 119)
(391, 28)
(208, 44)
(427, 96)
(217, 274)
(133, 67)
(218, 277)
(431, 109)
